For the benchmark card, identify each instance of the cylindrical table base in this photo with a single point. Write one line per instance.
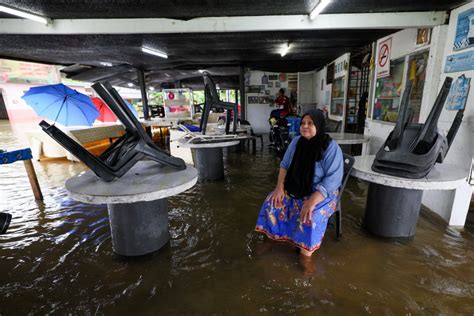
(392, 212)
(139, 228)
(209, 163)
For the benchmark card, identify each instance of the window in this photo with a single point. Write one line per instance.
(388, 91)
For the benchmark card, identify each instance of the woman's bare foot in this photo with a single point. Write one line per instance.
(308, 264)
(305, 252)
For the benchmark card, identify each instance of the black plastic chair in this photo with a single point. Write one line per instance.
(212, 101)
(254, 135)
(124, 153)
(333, 126)
(348, 163)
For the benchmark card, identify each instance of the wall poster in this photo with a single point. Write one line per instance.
(464, 30)
(458, 94)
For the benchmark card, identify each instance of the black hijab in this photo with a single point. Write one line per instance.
(300, 175)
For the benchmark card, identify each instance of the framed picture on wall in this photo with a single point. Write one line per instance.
(423, 37)
(277, 84)
(252, 99)
(270, 84)
(273, 77)
(263, 100)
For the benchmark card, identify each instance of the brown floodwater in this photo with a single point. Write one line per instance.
(57, 255)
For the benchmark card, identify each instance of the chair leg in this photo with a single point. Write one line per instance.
(338, 225)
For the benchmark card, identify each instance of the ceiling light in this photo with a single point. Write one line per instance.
(105, 64)
(151, 89)
(24, 14)
(154, 52)
(285, 50)
(201, 70)
(130, 84)
(320, 7)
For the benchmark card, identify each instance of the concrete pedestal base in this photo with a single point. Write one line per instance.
(209, 163)
(392, 212)
(139, 228)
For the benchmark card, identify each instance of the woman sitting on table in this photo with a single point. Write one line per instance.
(306, 193)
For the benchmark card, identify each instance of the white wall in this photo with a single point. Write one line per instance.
(320, 94)
(326, 89)
(462, 149)
(258, 114)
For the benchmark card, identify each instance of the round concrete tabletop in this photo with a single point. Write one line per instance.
(216, 144)
(441, 177)
(349, 138)
(146, 181)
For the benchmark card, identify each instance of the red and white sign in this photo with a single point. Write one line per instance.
(383, 58)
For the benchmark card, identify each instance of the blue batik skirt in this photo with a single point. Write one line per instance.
(285, 224)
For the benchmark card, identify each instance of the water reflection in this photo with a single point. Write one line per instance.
(57, 256)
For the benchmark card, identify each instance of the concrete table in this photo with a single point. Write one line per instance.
(346, 140)
(136, 203)
(208, 157)
(393, 203)
(349, 138)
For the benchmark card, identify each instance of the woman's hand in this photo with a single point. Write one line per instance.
(276, 198)
(309, 205)
(305, 214)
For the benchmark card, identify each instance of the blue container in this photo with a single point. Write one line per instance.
(293, 126)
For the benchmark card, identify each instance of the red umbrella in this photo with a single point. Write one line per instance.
(105, 114)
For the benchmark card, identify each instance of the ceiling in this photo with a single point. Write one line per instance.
(220, 53)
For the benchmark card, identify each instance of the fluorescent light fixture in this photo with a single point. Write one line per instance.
(285, 50)
(24, 14)
(130, 84)
(201, 70)
(105, 64)
(154, 52)
(320, 7)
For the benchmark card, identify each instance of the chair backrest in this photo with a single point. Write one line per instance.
(247, 123)
(333, 126)
(210, 88)
(348, 163)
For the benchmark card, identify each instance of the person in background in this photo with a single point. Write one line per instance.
(305, 197)
(284, 102)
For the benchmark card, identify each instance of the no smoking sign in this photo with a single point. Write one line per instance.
(383, 58)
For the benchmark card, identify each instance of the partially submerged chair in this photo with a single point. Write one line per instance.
(348, 163)
(253, 135)
(212, 101)
(132, 147)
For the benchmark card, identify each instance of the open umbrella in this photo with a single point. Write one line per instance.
(105, 114)
(62, 104)
(132, 108)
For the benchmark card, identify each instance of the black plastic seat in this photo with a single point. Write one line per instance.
(348, 163)
(130, 148)
(412, 149)
(253, 135)
(212, 101)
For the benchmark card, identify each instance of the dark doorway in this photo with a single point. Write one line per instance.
(358, 90)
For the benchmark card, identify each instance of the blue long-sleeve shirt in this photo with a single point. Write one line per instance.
(328, 171)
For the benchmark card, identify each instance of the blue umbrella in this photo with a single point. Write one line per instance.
(132, 108)
(62, 104)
